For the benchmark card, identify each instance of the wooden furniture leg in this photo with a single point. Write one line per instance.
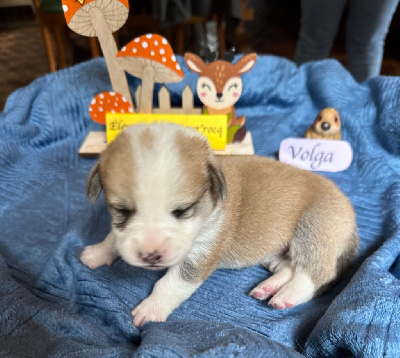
(221, 35)
(180, 39)
(58, 30)
(94, 47)
(49, 48)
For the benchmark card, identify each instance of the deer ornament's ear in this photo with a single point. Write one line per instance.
(194, 63)
(246, 63)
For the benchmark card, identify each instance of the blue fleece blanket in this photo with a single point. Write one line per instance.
(51, 305)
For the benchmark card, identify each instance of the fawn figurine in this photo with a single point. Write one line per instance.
(219, 87)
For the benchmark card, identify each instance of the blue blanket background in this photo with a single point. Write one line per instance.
(52, 305)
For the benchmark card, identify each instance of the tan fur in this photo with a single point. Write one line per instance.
(264, 204)
(192, 152)
(246, 211)
(329, 116)
(114, 160)
(146, 139)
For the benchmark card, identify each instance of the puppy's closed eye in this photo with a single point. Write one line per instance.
(121, 215)
(184, 213)
(189, 210)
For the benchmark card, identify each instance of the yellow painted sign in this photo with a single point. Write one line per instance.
(214, 127)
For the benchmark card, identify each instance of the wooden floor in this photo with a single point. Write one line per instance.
(273, 31)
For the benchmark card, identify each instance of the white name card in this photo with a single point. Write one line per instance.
(316, 155)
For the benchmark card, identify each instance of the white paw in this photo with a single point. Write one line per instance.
(264, 290)
(297, 291)
(273, 284)
(284, 298)
(150, 309)
(95, 256)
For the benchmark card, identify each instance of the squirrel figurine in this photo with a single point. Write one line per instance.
(327, 125)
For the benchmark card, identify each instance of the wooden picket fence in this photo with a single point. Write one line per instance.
(164, 100)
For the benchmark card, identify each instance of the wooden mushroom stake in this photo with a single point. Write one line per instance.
(108, 102)
(101, 18)
(150, 57)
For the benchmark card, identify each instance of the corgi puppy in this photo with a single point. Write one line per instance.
(175, 205)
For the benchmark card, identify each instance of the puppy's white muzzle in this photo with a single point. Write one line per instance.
(152, 249)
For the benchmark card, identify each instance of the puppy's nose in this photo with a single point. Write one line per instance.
(151, 258)
(325, 126)
(219, 95)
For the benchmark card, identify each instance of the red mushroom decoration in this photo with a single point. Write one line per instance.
(101, 18)
(150, 57)
(108, 102)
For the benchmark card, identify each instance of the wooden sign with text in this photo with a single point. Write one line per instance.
(214, 127)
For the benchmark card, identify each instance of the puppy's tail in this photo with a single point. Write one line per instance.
(344, 261)
(349, 254)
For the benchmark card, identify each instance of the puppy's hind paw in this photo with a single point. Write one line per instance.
(262, 293)
(273, 284)
(281, 303)
(297, 291)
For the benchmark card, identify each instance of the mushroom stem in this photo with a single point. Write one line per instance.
(108, 46)
(146, 98)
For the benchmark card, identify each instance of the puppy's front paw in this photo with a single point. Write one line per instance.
(95, 256)
(150, 309)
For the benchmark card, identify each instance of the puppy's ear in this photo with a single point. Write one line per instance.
(218, 184)
(94, 184)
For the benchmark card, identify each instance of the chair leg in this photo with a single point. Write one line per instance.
(94, 47)
(221, 35)
(49, 48)
(180, 40)
(62, 62)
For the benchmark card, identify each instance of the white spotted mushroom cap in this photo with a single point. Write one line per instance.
(79, 17)
(108, 102)
(151, 50)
